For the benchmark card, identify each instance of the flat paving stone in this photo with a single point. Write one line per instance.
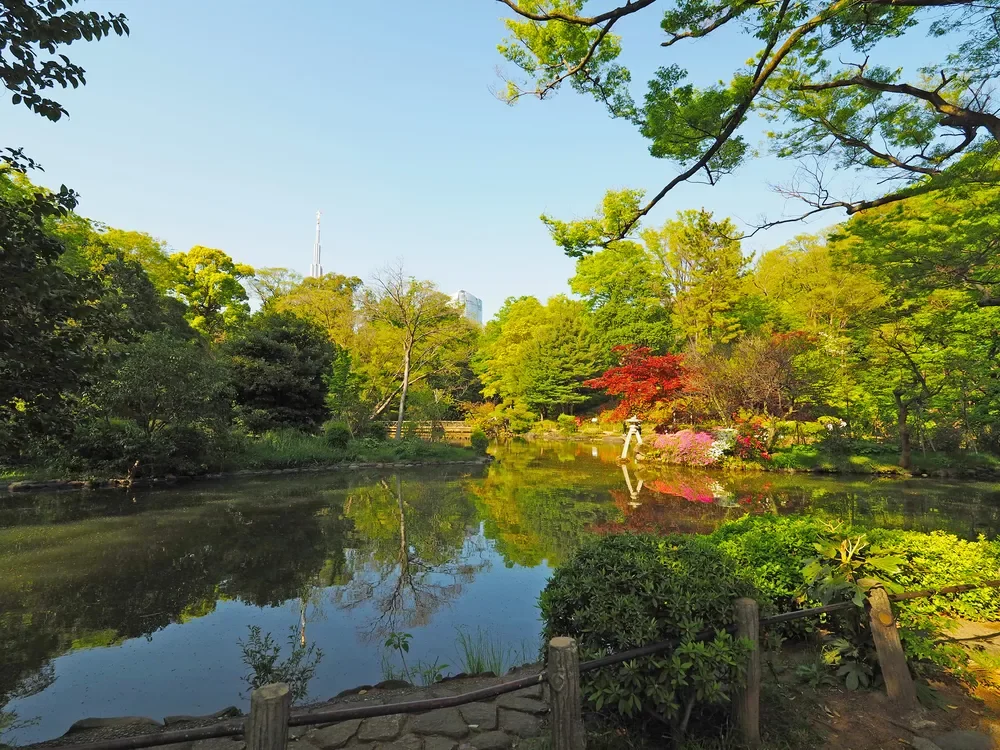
(406, 742)
(492, 741)
(523, 725)
(439, 743)
(481, 715)
(532, 691)
(443, 721)
(523, 704)
(380, 728)
(219, 743)
(334, 736)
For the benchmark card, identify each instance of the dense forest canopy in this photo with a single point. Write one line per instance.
(117, 348)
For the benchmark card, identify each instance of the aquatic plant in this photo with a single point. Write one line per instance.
(261, 654)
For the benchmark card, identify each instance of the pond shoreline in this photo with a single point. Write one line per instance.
(67, 485)
(968, 473)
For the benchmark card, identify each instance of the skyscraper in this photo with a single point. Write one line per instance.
(316, 269)
(472, 306)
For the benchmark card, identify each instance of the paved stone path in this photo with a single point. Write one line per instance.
(504, 722)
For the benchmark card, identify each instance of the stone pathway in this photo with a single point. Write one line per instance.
(503, 722)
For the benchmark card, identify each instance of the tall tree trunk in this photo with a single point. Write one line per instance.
(902, 415)
(402, 395)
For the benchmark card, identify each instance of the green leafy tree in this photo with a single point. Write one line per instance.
(703, 267)
(626, 295)
(269, 284)
(160, 381)
(330, 302)
(90, 245)
(817, 71)
(208, 282)
(944, 240)
(32, 27)
(539, 355)
(46, 313)
(279, 366)
(413, 332)
(812, 290)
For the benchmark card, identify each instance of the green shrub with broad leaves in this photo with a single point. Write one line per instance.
(479, 441)
(337, 434)
(632, 590)
(799, 562)
(769, 551)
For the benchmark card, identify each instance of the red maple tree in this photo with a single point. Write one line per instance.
(641, 380)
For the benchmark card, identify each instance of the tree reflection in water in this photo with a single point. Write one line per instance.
(415, 551)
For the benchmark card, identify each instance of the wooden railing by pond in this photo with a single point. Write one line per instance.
(428, 429)
(266, 728)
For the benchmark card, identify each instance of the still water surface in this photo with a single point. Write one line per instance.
(133, 604)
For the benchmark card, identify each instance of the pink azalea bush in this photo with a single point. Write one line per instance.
(686, 447)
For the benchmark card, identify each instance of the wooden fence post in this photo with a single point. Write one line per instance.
(564, 682)
(891, 659)
(746, 701)
(267, 727)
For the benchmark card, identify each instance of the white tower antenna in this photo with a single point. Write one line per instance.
(316, 269)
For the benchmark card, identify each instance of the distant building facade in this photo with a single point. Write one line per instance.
(472, 306)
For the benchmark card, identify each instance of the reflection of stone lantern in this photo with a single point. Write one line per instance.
(634, 430)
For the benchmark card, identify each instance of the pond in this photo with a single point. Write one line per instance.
(115, 604)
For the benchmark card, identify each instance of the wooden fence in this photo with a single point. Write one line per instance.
(451, 430)
(266, 728)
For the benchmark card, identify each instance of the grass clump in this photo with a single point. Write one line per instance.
(481, 652)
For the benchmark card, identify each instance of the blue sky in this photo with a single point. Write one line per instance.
(229, 123)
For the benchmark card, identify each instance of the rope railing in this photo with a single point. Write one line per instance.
(331, 716)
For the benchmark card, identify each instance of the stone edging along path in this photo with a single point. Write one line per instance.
(63, 485)
(485, 725)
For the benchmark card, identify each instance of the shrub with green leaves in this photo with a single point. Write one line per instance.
(769, 552)
(627, 590)
(479, 441)
(567, 424)
(337, 434)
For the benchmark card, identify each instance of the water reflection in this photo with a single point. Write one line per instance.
(114, 605)
(411, 556)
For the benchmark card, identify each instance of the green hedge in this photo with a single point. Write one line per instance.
(631, 590)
